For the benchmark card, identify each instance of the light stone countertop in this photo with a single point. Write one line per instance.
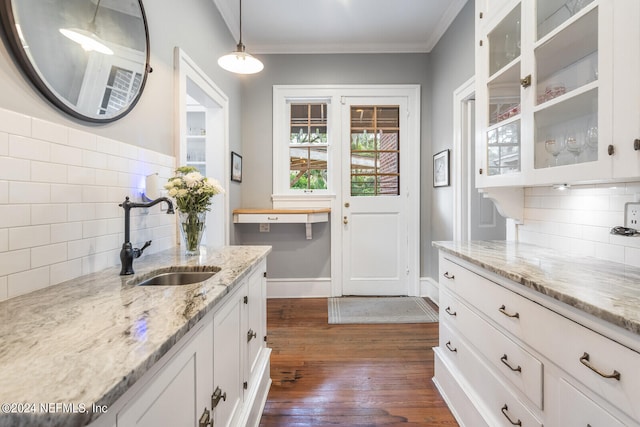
(607, 290)
(86, 341)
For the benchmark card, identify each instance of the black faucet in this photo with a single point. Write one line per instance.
(128, 253)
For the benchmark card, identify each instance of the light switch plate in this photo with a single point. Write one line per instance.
(632, 215)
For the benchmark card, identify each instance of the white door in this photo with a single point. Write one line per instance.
(375, 164)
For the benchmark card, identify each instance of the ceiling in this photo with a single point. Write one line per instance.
(339, 26)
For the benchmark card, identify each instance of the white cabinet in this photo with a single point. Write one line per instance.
(498, 339)
(180, 391)
(546, 75)
(218, 372)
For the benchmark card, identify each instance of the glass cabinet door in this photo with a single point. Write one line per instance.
(503, 154)
(566, 83)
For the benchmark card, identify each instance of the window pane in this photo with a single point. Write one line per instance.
(308, 124)
(375, 150)
(308, 168)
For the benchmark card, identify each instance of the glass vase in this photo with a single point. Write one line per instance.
(192, 227)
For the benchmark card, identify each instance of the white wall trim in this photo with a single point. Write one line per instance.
(431, 289)
(299, 288)
(461, 169)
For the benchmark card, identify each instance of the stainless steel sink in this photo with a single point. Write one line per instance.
(177, 278)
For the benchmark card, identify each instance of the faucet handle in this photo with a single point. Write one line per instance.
(145, 246)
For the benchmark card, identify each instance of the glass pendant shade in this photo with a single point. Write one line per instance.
(88, 40)
(240, 62)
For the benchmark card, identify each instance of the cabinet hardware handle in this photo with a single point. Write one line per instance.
(480, 171)
(451, 349)
(245, 299)
(585, 361)
(526, 81)
(481, 15)
(503, 310)
(251, 335)
(217, 396)
(205, 419)
(611, 150)
(448, 276)
(272, 218)
(450, 313)
(504, 412)
(503, 359)
(636, 144)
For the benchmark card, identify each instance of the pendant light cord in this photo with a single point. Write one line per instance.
(240, 21)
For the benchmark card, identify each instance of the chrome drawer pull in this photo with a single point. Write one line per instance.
(453, 350)
(448, 276)
(504, 311)
(585, 361)
(450, 313)
(503, 359)
(504, 412)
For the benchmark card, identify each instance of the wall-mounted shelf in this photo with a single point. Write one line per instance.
(282, 216)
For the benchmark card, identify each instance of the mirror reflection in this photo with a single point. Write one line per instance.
(88, 57)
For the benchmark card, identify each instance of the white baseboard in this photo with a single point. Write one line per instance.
(430, 288)
(299, 288)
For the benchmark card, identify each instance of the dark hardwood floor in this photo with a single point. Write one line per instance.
(349, 375)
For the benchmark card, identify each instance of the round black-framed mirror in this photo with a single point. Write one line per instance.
(89, 58)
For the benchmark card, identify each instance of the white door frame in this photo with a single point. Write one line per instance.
(462, 167)
(187, 69)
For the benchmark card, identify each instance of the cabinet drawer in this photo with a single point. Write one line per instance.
(453, 276)
(577, 410)
(606, 367)
(493, 398)
(518, 366)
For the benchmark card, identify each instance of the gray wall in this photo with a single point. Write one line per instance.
(197, 27)
(293, 256)
(452, 64)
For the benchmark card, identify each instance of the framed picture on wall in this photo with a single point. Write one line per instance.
(236, 167)
(441, 169)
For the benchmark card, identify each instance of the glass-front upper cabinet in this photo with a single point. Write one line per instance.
(545, 70)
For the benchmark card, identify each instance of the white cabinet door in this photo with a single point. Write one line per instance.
(255, 309)
(626, 108)
(227, 358)
(179, 393)
(577, 410)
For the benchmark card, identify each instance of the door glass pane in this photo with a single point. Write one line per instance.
(375, 150)
(553, 13)
(504, 41)
(503, 149)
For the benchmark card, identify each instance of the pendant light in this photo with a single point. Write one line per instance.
(239, 61)
(87, 37)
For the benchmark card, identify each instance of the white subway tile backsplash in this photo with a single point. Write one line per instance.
(14, 169)
(28, 281)
(66, 155)
(29, 192)
(579, 220)
(49, 214)
(15, 215)
(48, 172)
(82, 139)
(49, 254)
(4, 144)
(48, 131)
(29, 148)
(66, 232)
(28, 237)
(65, 270)
(59, 193)
(4, 289)
(15, 123)
(66, 193)
(14, 261)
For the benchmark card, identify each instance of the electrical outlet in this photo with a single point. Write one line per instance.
(632, 215)
(264, 226)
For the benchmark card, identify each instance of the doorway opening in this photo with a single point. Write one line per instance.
(203, 132)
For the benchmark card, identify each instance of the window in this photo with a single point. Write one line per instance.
(375, 150)
(308, 144)
(122, 86)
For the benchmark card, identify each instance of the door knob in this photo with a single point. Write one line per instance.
(346, 205)
(345, 220)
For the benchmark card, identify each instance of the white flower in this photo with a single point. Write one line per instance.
(192, 179)
(173, 192)
(182, 192)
